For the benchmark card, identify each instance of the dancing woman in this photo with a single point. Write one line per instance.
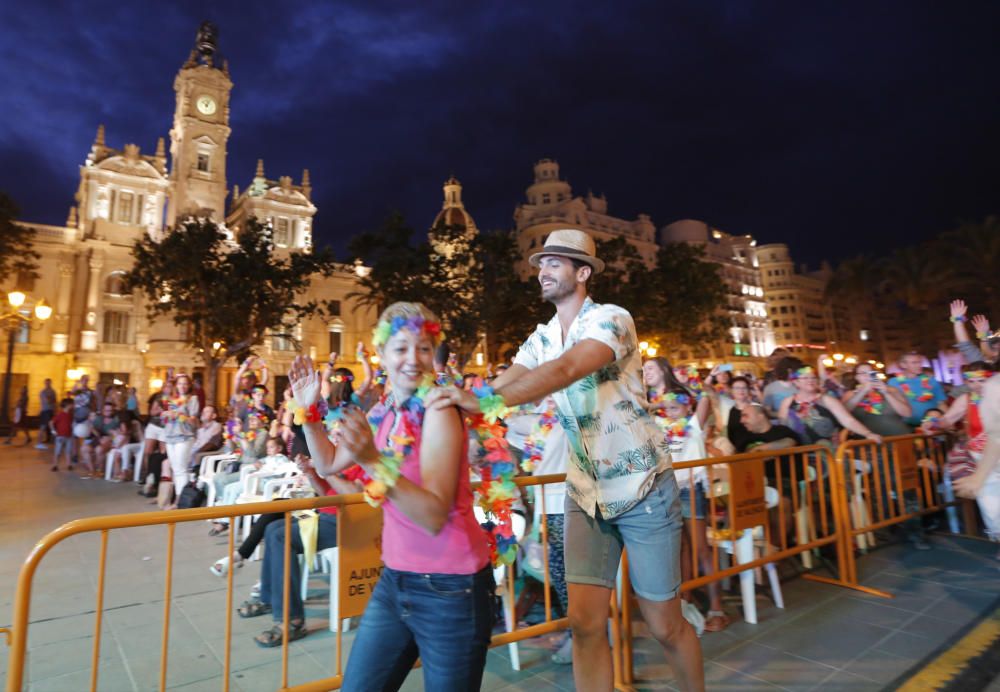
(434, 598)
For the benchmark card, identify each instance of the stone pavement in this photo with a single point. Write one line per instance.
(827, 638)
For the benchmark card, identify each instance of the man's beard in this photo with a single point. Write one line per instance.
(557, 292)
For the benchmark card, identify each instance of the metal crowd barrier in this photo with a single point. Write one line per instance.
(803, 503)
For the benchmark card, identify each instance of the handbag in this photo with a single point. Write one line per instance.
(192, 496)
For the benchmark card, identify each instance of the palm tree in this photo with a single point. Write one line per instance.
(975, 253)
(921, 280)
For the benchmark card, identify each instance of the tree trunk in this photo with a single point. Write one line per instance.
(212, 366)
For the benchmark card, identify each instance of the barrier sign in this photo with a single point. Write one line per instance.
(906, 458)
(359, 536)
(746, 495)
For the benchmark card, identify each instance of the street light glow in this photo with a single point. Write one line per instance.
(43, 311)
(651, 351)
(16, 299)
(643, 345)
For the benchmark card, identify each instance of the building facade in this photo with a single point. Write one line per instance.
(801, 318)
(100, 329)
(551, 205)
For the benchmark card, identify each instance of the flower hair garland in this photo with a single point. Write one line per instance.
(385, 330)
(803, 372)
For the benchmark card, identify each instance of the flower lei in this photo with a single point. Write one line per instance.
(534, 445)
(676, 430)
(385, 330)
(925, 384)
(873, 403)
(443, 379)
(497, 489)
(177, 404)
(803, 409)
(400, 444)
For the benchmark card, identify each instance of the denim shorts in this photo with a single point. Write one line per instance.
(650, 531)
(700, 501)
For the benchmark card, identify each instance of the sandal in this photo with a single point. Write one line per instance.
(252, 609)
(271, 638)
(716, 621)
(221, 566)
(218, 529)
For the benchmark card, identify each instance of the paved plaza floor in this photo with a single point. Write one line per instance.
(826, 638)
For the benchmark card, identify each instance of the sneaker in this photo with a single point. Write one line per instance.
(564, 654)
(255, 591)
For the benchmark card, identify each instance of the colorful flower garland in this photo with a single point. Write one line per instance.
(534, 445)
(178, 403)
(497, 489)
(677, 429)
(399, 444)
(925, 384)
(873, 403)
(385, 330)
(807, 371)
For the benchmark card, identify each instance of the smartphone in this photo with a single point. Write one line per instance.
(873, 376)
(725, 367)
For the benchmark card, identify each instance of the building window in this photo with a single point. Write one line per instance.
(116, 327)
(282, 342)
(114, 285)
(125, 202)
(281, 235)
(546, 198)
(336, 341)
(334, 306)
(864, 335)
(203, 163)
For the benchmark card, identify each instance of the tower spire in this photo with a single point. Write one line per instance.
(260, 168)
(99, 138)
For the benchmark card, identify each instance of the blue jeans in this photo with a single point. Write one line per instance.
(445, 619)
(272, 570)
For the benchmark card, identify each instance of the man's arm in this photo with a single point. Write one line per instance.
(585, 358)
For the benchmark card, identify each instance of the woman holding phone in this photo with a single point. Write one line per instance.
(879, 407)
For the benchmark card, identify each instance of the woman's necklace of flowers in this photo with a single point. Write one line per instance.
(178, 404)
(534, 445)
(925, 384)
(804, 409)
(400, 442)
(873, 403)
(497, 489)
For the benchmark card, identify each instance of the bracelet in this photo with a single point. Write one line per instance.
(982, 336)
(958, 318)
(491, 404)
(313, 414)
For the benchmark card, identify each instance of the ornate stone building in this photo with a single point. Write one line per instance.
(97, 327)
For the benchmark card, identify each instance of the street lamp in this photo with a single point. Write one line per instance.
(12, 321)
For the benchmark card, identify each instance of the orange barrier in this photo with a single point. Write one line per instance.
(763, 507)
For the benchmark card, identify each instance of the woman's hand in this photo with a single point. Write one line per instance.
(356, 437)
(981, 324)
(443, 397)
(304, 380)
(958, 308)
(968, 486)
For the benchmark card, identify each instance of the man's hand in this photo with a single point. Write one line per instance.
(443, 397)
(968, 486)
(958, 308)
(304, 379)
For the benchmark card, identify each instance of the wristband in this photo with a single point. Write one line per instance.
(982, 336)
(313, 414)
(958, 318)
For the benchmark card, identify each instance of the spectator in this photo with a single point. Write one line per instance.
(736, 431)
(95, 449)
(922, 391)
(761, 434)
(84, 405)
(880, 408)
(244, 382)
(198, 391)
(20, 418)
(814, 416)
(257, 406)
(208, 439)
(132, 402)
(181, 417)
(125, 446)
(987, 349)
(61, 428)
(155, 434)
(772, 364)
(48, 410)
(780, 386)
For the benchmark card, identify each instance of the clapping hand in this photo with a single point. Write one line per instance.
(981, 324)
(355, 435)
(304, 379)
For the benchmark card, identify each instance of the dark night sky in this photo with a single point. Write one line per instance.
(838, 127)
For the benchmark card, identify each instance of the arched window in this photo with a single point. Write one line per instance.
(114, 284)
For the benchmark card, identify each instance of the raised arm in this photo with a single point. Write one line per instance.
(847, 420)
(304, 379)
(585, 358)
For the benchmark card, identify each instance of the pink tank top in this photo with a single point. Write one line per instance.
(459, 548)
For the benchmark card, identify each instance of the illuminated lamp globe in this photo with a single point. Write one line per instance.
(16, 299)
(43, 311)
(643, 345)
(838, 356)
(828, 362)
(651, 351)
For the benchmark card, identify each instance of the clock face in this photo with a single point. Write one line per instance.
(206, 105)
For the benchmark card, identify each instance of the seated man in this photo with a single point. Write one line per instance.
(762, 434)
(272, 569)
(97, 446)
(208, 440)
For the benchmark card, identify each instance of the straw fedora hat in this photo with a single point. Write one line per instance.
(572, 243)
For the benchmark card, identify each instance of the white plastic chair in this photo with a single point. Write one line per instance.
(209, 466)
(743, 550)
(329, 563)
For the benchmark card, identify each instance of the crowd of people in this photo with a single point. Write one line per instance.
(578, 399)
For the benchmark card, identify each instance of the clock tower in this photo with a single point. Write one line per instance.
(201, 129)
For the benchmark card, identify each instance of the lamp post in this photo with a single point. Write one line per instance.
(12, 321)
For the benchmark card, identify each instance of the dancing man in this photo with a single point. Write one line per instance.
(621, 487)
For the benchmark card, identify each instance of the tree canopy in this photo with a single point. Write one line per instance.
(231, 291)
(17, 254)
